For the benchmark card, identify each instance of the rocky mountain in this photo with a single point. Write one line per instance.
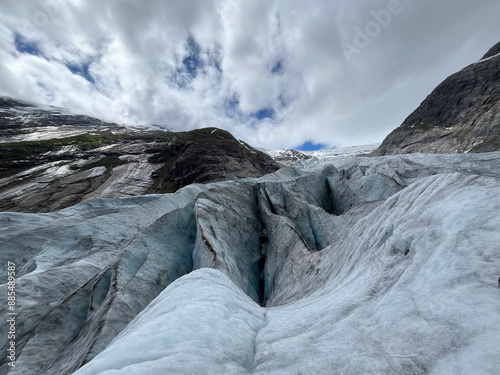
(372, 265)
(52, 159)
(461, 115)
(289, 158)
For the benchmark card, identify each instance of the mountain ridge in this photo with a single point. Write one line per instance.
(52, 160)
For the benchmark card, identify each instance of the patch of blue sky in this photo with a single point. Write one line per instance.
(191, 65)
(192, 62)
(24, 45)
(81, 70)
(311, 146)
(263, 114)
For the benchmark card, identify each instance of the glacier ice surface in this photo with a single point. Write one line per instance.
(367, 266)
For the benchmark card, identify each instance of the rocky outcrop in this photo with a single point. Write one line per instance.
(289, 158)
(495, 50)
(52, 160)
(461, 115)
(206, 155)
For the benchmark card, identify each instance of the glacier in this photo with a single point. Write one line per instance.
(356, 265)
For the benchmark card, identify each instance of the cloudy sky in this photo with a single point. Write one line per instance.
(274, 73)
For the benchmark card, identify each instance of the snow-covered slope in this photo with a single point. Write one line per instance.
(343, 151)
(21, 121)
(371, 266)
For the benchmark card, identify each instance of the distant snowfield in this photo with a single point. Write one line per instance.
(385, 265)
(343, 151)
(320, 157)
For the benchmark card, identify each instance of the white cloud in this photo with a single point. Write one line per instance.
(284, 57)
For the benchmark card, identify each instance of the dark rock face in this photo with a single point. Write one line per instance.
(207, 155)
(52, 159)
(495, 50)
(461, 115)
(291, 157)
